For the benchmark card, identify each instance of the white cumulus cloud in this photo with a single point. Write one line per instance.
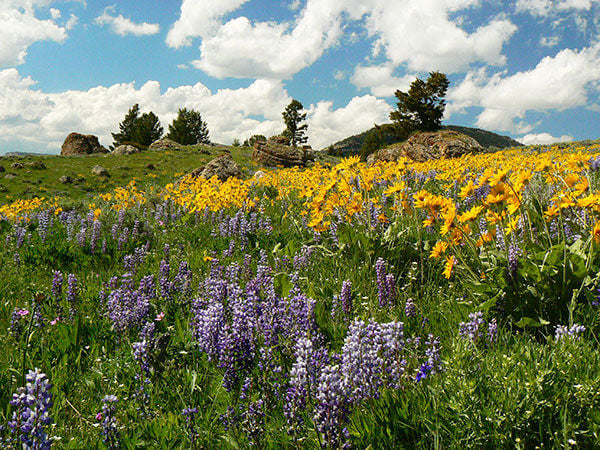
(380, 81)
(123, 26)
(420, 34)
(547, 7)
(544, 139)
(199, 18)
(556, 83)
(20, 28)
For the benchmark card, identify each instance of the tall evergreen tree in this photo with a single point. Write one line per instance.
(147, 129)
(292, 117)
(422, 107)
(188, 128)
(126, 127)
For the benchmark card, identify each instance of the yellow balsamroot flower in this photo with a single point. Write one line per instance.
(596, 232)
(471, 214)
(439, 248)
(467, 190)
(552, 211)
(498, 194)
(397, 187)
(97, 213)
(450, 261)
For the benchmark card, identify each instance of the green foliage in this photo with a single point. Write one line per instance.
(375, 139)
(235, 143)
(293, 118)
(142, 130)
(126, 127)
(188, 128)
(422, 107)
(253, 139)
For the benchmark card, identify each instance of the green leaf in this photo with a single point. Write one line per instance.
(529, 322)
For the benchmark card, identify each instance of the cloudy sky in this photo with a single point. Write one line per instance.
(525, 68)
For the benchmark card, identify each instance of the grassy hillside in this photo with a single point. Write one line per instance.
(150, 167)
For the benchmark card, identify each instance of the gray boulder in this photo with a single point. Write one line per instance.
(100, 171)
(223, 167)
(66, 179)
(165, 144)
(81, 144)
(125, 149)
(17, 165)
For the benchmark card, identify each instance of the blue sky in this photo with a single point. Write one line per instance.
(525, 68)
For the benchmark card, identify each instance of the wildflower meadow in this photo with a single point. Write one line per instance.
(446, 304)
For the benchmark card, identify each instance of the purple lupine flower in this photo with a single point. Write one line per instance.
(44, 224)
(104, 248)
(110, 431)
(96, 231)
(433, 354)
(20, 234)
(72, 294)
(190, 426)
(81, 236)
(471, 330)
(386, 283)
(127, 306)
(332, 408)
(17, 324)
(303, 257)
(595, 163)
(410, 310)
(57, 285)
(142, 354)
(562, 331)
(513, 258)
(346, 297)
(17, 259)
(298, 391)
(492, 333)
(32, 415)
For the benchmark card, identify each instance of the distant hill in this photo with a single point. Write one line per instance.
(351, 145)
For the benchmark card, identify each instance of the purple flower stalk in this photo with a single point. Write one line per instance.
(32, 405)
(562, 331)
(110, 432)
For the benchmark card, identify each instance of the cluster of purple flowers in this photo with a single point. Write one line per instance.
(127, 306)
(142, 353)
(343, 303)
(475, 329)
(386, 284)
(563, 331)
(32, 405)
(110, 431)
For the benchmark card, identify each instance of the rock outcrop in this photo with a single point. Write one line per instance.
(66, 179)
(223, 167)
(81, 144)
(424, 146)
(165, 144)
(276, 151)
(125, 149)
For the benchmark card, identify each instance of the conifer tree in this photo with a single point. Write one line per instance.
(188, 128)
(292, 117)
(422, 107)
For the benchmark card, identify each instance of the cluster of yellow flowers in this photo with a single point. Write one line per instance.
(452, 196)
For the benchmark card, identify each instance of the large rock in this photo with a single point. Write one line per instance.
(100, 171)
(125, 149)
(223, 167)
(17, 165)
(81, 144)
(276, 151)
(65, 179)
(165, 144)
(424, 146)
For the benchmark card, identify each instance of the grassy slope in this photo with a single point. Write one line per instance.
(169, 165)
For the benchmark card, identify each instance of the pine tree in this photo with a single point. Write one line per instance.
(189, 128)
(292, 118)
(422, 107)
(147, 129)
(126, 128)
